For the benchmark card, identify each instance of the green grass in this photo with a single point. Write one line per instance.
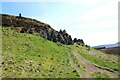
(78, 63)
(99, 75)
(99, 61)
(29, 55)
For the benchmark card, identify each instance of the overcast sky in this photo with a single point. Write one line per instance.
(94, 21)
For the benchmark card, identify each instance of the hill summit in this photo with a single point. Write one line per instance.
(28, 25)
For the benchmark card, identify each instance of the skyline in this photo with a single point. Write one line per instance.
(96, 23)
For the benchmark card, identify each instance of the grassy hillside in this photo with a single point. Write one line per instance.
(31, 56)
(29, 25)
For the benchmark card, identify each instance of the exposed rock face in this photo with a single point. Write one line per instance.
(31, 25)
(78, 40)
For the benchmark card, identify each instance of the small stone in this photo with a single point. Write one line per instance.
(5, 69)
(38, 55)
(51, 58)
(2, 62)
(74, 71)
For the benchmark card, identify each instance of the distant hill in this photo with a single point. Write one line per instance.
(109, 48)
(108, 45)
(112, 50)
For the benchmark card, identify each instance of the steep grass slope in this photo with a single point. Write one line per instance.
(31, 56)
(29, 25)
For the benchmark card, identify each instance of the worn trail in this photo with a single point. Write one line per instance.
(91, 68)
(81, 74)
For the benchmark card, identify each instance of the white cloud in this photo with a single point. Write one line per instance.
(100, 24)
(94, 38)
(101, 11)
(98, 38)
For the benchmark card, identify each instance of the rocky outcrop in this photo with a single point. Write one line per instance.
(78, 41)
(31, 25)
